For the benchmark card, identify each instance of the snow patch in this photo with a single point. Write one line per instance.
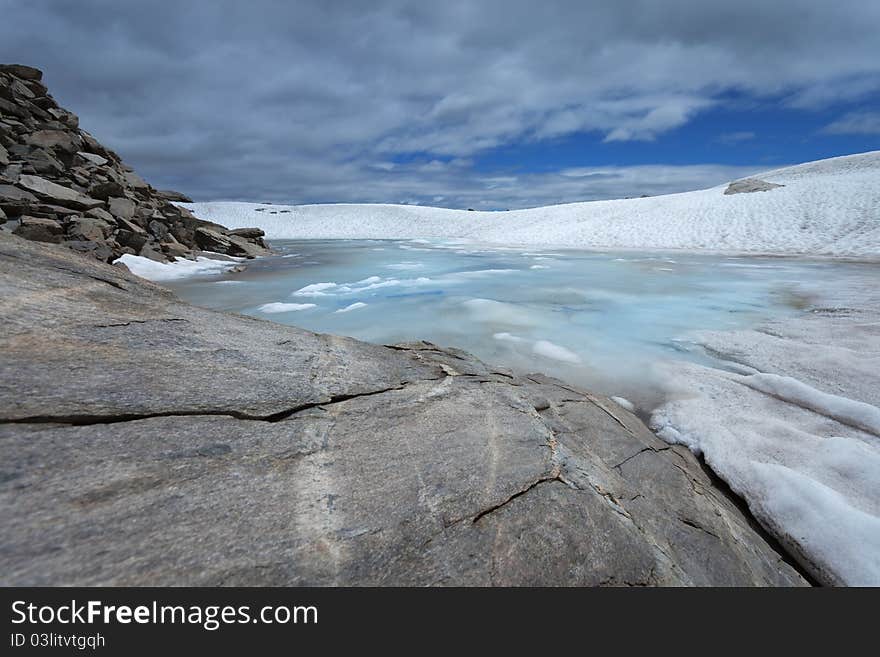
(169, 271)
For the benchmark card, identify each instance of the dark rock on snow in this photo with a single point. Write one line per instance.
(748, 185)
(52, 171)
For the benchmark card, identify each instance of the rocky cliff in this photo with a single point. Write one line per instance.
(149, 442)
(59, 184)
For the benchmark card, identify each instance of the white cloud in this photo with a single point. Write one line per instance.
(855, 123)
(317, 101)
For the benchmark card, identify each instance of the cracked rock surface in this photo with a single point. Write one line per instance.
(149, 442)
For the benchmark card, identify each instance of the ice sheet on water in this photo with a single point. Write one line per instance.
(278, 307)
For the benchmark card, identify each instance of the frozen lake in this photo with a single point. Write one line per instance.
(602, 320)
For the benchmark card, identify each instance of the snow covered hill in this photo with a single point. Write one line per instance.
(827, 207)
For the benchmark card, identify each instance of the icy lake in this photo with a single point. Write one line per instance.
(601, 320)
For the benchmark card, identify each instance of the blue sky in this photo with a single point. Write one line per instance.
(490, 104)
(766, 134)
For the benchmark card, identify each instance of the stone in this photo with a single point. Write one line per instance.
(57, 193)
(150, 251)
(106, 189)
(39, 229)
(121, 208)
(170, 195)
(58, 140)
(175, 249)
(158, 230)
(12, 109)
(247, 233)
(126, 224)
(88, 229)
(133, 240)
(21, 71)
(69, 119)
(748, 185)
(2, 216)
(43, 162)
(100, 213)
(92, 145)
(98, 250)
(136, 182)
(242, 247)
(49, 210)
(4, 156)
(340, 462)
(13, 199)
(209, 240)
(93, 158)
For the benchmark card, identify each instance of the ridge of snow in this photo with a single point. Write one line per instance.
(826, 207)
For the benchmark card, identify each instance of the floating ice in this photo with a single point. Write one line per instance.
(354, 306)
(555, 352)
(279, 307)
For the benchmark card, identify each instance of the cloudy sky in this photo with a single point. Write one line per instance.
(468, 103)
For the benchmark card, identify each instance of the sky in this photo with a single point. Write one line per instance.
(462, 104)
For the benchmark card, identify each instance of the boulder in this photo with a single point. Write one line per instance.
(88, 229)
(21, 71)
(57, 140)
(39, 229)
(748, 185)
(210, 240)
(247, 233)
(14, 200)
(125, 224)
(99, 250)
(106, 189)
(68, 119)
(175, 249)
(100, 213)
(122, 208)
(158, 230)
(49, 210)
(242, 247)
(57, 193)
(131, 239)
(136, 182)
(43, 162)
(151, 251)
(93, 158)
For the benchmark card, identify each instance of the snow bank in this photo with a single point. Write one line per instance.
(792, 424)
(161, 271)
(828, 207)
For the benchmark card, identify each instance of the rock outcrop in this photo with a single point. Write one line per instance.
(150, 442)
(59, 184)
(748, 185)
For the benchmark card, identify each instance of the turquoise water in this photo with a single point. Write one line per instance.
(600, 320)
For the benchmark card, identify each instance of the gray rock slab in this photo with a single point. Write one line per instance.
(149, 442)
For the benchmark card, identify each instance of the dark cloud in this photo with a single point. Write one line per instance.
(312, 101)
